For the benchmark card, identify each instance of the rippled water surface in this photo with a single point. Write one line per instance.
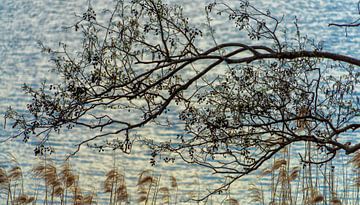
(23, 23)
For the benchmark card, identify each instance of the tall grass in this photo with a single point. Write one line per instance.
(282, 182)
(61, 185)
(11, 185)
(286, 182)
(115, 185)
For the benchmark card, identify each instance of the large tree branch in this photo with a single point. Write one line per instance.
(345, 25)
(298, 54)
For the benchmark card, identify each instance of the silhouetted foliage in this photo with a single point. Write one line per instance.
(240, 103)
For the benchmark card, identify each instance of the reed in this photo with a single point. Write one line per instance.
(62, 186)
(9, 184)
(5, 184)
(48, 172)
(68, 179)
(231, 201)
(164, 195)
(146, 183)
(309, 184)
(23, 199)
(256, 194)
(115, 185)
(174, 188)
(283, 182)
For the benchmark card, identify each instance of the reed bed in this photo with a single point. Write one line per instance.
(285, 181)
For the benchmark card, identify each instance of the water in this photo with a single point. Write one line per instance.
(23, 23)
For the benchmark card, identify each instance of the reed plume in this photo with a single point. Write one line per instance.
(279, 163)
(23, 199)
(121, 193)
(77, 195)
(111, 177)
(88, 199)
(317, 199)
(68, 179)
(165, 195)
(174, 187)
(67, 176)
(256, 194)
(294, 173)
(48, 172)
(173, 182)
(335, 201)
(265, 172)
(4, 179)
(5, 184)
(15, 173)
(231, 201)
(145, 183)
(116, 186)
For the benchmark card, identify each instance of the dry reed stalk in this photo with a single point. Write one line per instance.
(58, 190)
(302, 123)
(285, 186)
(285, 150)
(146, 180)
(23, 199)
(265, 172)
(355, 160)
(316, 197)
(156, 189)
(294, 173)
(165, 195)
(231, 201)
(283, 176)
(4, 179)
(256, 194)
(48, 172)
(111, 177)
(15, 173)
(173, 182)
(278, 163)
(77, 195)
(195, 192)
(121, 193)
(116, 186)
(67, 176)
(174, 186)
(110, 181)
(88, 200)
(68, 180)
(335, 201)
(145, 183)
(5, 184)
(73, 185)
